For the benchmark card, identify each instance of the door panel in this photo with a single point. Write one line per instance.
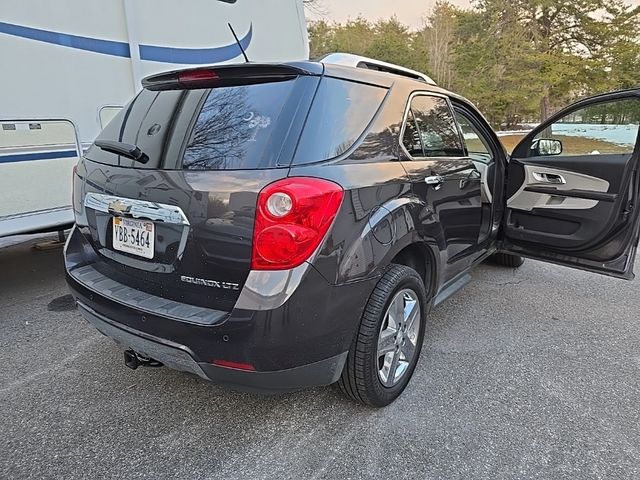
(448, 182)
(564, 215)
(546, 187)
(576, 207)
(455, 204)
(606, 167)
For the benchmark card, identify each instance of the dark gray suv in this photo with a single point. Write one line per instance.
(274, 227)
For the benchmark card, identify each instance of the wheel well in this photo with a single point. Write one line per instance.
(416, 257)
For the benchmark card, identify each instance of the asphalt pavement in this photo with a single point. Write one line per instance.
(528, 373)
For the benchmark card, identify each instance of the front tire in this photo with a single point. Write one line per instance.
(387, 346)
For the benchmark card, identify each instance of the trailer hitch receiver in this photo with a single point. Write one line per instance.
(133, 360)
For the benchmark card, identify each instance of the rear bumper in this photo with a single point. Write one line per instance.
(179, 357)
(302, 343)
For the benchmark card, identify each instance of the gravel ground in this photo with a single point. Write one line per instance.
(528, 373)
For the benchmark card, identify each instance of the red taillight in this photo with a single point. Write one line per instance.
(292, 217)
(192, 78)
(237, 365)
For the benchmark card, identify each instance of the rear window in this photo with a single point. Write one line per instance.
(240, 128)
(243, 127)
(340, 113)
(149, 122)
(236, 127)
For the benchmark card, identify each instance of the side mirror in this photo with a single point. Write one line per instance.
(546, 146)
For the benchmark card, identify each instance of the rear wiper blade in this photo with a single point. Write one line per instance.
(125, 149)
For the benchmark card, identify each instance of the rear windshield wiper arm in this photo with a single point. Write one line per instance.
(125, 149)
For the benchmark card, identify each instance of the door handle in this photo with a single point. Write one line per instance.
(435, 180)
(552, 178)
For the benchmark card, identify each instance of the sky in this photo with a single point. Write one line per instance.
(409, 12)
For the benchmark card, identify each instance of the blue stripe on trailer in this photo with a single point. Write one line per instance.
(108, 47)
(152, 53)
(193, 56)
(29, 157)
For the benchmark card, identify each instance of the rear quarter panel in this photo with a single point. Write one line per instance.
(380, 214)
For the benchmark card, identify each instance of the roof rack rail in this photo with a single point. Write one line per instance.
(358, 61)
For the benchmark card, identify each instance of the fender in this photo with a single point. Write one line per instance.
(391, 227)
(404, 214)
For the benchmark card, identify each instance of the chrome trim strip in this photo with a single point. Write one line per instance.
(142, 209)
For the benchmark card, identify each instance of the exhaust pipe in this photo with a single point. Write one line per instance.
(133, 360)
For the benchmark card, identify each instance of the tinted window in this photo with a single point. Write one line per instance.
(239, 128)
(477, 145)
(436, 127)
(339, 115)
(411, 137)
(601, 128)
(132, 126)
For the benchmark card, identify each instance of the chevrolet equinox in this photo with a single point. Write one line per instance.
(280, 226)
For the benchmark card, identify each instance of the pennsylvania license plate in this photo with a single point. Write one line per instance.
(133, 236)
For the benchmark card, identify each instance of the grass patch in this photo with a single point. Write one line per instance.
(572, 145)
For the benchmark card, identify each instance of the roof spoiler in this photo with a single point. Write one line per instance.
(358, 61)
(225, 75)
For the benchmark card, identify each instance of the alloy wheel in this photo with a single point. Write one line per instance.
(398, 337)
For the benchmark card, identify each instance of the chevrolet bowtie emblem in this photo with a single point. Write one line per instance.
(118, 207)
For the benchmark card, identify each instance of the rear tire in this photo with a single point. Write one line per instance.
(506, 260)
(387, 345)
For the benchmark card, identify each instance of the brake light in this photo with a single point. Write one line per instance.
(192, 78)
(293, 216)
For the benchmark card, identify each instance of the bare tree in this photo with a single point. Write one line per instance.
(439, 35)
(315, 6)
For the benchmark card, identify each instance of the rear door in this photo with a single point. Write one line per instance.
(573, 186)
(444, 178)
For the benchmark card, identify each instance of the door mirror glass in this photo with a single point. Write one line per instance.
(546, 146)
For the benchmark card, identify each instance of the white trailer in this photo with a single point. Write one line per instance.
(69, 66)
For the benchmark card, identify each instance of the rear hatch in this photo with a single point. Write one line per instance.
(166, 195)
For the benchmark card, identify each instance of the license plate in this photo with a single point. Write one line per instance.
(133, 236)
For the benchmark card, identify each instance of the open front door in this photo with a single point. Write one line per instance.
(573, 185)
